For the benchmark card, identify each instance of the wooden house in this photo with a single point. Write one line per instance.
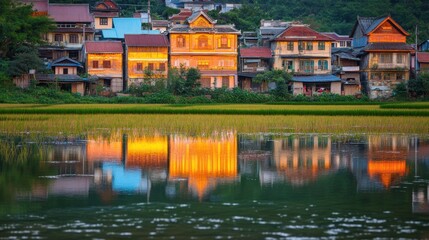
(253, 60)
(423, 62)
(345, 65)
(74, 26)
(384, 53)
(307, 54)
(104, 60)
(340, 41)
(203, 44)
(146, 53)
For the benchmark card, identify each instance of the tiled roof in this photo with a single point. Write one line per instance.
(423, 57)
(106, 14)
(221, 29)
(73, 30)
(256, 52)
(38, 5)
(301, 32)
(106, 5)
(336, 36)
(104, 47)
(195, 15)
(374, 24)
(317, 78)
(182, 15)
(59, 77)
(70, 13)
(388, 47)
(146, 40)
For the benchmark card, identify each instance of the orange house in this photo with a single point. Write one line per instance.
(212, 48)
(146, 53)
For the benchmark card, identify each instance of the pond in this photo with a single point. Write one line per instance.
(224, 185)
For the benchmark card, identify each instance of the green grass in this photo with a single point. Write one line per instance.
(214, 109)
(415, 105)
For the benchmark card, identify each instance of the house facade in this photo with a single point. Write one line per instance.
(212, 48)
(340, 41)
(75, 25)
(307, 55)
(104, 12)
(253, 60)
(384, 53)
(146, 56)
(104, 60)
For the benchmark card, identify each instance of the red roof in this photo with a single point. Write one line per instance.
(104, 47)
(423, 57)
(72, 13)
(301, 32)
(146, 40)
(256, 52)
(182, 15)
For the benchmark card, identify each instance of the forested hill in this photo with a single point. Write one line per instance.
(322, 15)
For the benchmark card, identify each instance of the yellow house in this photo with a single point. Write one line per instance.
(307, 54)
(212, 48)
(104, 60)
(146, 53)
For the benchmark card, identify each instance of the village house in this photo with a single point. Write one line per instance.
(104, 60)
(122, 26)
(384, 53)
(253, 61)
(147, 57)
(74, 26)
(203, 44)
(307, 55)
(104, 12)
(345, 65)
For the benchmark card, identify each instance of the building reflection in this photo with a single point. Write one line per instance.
(180, 165)
(203, 161)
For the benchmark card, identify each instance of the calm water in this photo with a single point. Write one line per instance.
(225, 186)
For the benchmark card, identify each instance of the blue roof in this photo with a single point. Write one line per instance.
(317, 78)
(122, 26)
(374, 24)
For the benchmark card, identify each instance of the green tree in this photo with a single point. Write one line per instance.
(280, 77)
(183, 81)
(26, 58)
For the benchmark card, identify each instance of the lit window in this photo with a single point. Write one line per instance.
(203, 42)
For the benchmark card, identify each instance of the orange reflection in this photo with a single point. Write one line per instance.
(387, 158)
(99, 149)
(302, 159)
(203, 160)
(147, 152)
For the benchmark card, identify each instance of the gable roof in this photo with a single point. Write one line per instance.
(122, 26)
(195, 16)
(70, 12)
(65, 62)
(146, 40)
(106, 5)
(255, 52)
(370, 24)
(182, 15)
(300, 32)
(103, 47)
(380, 46)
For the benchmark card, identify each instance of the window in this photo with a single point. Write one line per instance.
(94, 64)
(309, 46)
(306, 66)
(73, 38)
(375, 76)
(342, 43)
(107, 83)
(104, 21)
(224, 42)
(321, 45)
(150, 66)
(58, 37)
(301, 45)
(290, 46)
(106, 64)
(288, 64)
(65, 71)
(323, 64)
(74, 55)
(162, 67)
(387, 76)
(203, 42)
(385, 58)
(203, 64)
(399, 58)
(205, 82)
(180, 41)
(139, 67)
(400, 76)
(225, 81)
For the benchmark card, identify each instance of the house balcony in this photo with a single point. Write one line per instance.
(389, 66)
(254, 69)
(350, 69)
